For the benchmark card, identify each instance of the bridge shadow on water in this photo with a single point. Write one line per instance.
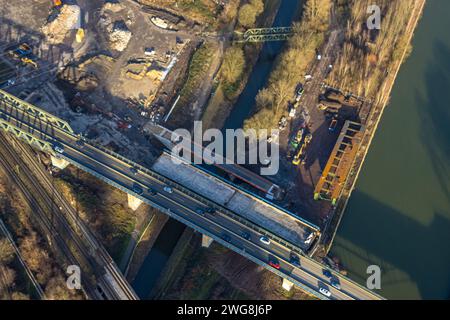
(436, 118)
(411, 252)
(386, 237)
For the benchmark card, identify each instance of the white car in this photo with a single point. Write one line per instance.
(59, 149)
(325, 292)
(168, 189)
(264, 240)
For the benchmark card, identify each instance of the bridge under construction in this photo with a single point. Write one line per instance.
(216, 220)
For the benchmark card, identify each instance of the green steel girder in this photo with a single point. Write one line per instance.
(265, 38)
(43, 145)
(33, 111)
(268, 31)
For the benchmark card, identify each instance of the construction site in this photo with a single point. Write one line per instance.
(115, 70)
(116, 78)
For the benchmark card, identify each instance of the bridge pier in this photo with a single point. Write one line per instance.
(59, 163)
(206, 241)
(133, 202)
(287, 285)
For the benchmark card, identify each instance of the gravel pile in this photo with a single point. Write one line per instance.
(119, 36)
(68, 19)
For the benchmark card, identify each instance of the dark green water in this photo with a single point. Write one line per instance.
(399, 215)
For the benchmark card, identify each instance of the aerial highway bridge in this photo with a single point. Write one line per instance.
(214, 220)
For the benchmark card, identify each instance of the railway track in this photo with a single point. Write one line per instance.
(110, 283)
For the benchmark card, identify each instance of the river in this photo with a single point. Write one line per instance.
(398, 216)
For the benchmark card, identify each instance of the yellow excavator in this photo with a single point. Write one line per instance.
(299, 156)
(29, 61)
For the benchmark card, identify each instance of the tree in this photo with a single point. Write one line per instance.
(233, 64)
(6, 251)
(258, 5)
(247, 15)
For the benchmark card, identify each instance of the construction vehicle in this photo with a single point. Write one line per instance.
(21, 51)
(300, 156)
(348, 100)
(80, 35)
(333, 124)
(30, 61)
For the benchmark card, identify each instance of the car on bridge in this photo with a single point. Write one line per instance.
(325, 292)
(264, 240)
(327, 273)
(334, 281)
(134, 170)
(80, 143)
(168, 189)
(152, 192)
(246, 235)
(274, 263)
(200, 211)
(227, 238)
(137, 189)
(294, 259)
(58, 147)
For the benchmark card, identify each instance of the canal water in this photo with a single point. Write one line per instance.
(156, 259)
(158, 256)
(287, 11)
(399, 214)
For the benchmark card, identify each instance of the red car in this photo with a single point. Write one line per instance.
(274, 264)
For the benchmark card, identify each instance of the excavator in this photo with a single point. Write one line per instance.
(299, 157)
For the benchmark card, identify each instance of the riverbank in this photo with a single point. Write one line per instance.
(373, 122)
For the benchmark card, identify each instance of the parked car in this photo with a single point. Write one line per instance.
(168, 189)
(299, 92)
(333, 125)
(264, 240)
(292, 111)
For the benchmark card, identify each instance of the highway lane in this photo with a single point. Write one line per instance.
(183, 207)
